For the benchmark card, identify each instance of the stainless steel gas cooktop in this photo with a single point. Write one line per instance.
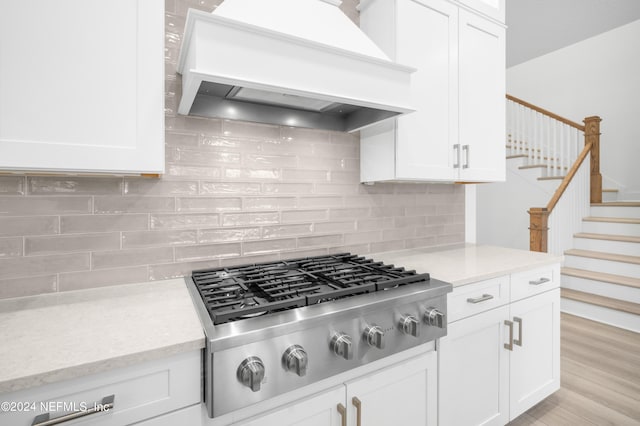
(274, 327)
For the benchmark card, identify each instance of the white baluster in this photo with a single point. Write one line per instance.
(548, 146)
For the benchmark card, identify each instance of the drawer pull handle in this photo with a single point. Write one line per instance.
(518, 341)
(343, 414)
(509, 345)
(480, 298)
(540, 281)
(356, 402)
(45, 419)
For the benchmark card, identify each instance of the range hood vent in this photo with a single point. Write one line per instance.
(298, 63)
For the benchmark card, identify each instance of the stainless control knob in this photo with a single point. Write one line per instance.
(341, 345)
(409, 324)
(374, 336)
(434, 317)
(295, 359)
(251, 372)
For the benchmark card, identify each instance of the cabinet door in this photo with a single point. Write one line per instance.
(81, 86)
(492, 8)
(482, 99)
(535, 365)
(318, 410)
(474, 371)
(426, 39)
(405, 394)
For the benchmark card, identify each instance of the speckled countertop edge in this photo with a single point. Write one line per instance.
(61, 336)
(467, 263)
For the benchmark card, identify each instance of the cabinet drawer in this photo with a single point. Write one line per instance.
(140, 391)
(534, 281)
(474, 298)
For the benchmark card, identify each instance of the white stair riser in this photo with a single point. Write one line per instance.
(514, 163)
(614, 291)
(605, 266)
(607, 246)
(598, 313)
(613, 228)
(609, 196)
(550, 185)
(615, 211)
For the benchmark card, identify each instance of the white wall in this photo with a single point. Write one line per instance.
(502, 218)
(598, 76)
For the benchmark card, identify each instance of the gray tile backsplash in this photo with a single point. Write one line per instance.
(233, 193)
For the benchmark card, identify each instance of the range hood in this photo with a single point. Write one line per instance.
(300, 63)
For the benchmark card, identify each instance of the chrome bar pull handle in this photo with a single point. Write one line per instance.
(343, 414)
(479, 299)
(456, 148)
(518, 341)
(358, 404)
(45, 419)
(540, 281)
(509, 345)
(466, 163)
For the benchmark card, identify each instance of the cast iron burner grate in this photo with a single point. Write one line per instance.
(247, 291)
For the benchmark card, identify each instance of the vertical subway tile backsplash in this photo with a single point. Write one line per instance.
(233, 193)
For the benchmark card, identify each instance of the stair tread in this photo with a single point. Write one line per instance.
(541, 166)
(612, 237)
(603, 256)
(618, 204)
(533, 166)
(610, 190)
(551, 177)
(606, 302)
(611, 219)
(601, 276)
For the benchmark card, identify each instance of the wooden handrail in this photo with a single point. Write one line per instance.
(538, 221)
(567, 179)
(546, 112)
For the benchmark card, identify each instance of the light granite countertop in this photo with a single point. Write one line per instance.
(468, 263)
(60, 336)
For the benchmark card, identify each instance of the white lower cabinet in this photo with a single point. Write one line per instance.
(317, 410)
(500, 362)
(144, 391)
(403, 394)
(474, 371)
(535, 364)
(190, 416)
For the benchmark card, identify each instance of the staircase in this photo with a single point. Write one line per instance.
(600, 240)
(601, 273)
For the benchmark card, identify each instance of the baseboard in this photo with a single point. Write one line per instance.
(612, 317)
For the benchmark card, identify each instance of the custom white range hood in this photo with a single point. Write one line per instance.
(298, 63)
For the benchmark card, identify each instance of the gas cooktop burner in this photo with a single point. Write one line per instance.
(247, 291)
(355, 312)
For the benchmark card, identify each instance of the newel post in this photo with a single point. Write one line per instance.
(538, 227)
(592, 135)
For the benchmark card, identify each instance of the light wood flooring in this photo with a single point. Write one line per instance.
(600, 378)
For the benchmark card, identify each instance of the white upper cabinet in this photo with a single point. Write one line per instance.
(492, 8)
(457, 131)
(82, 86)
(481, 105)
